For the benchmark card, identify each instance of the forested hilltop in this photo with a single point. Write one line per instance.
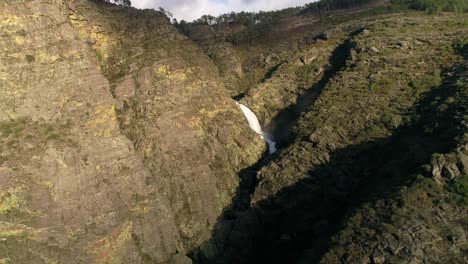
(246, 18)
(260, 24)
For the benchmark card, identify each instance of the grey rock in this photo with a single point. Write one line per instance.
(450, 171)
(180, 259)
(403, 44)
(307, 59)
(374, 49)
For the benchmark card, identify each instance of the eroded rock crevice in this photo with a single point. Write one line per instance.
(234, 217)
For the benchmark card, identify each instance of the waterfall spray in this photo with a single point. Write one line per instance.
(255, 126)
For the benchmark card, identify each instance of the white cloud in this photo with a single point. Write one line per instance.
(193, 9)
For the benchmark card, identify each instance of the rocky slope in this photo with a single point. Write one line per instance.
(120, 142)
(358, 112)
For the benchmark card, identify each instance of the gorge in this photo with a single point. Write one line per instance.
(120, 140)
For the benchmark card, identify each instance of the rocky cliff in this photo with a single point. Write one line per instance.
(120, 141)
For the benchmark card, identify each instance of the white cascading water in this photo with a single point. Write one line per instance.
(255, 126)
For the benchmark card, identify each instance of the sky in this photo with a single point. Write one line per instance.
(192, 9)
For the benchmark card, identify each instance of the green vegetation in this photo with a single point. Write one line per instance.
(251, 79)
(118, 2)
(431, 6)
(99, 55)
(330, 5)
(391, 120)
(53, 137)
(30, 58)
(13, 128)
(307, 74)
(6, 131)
(425, 5)
(262, 21)
(434, 6)
(21, 138)
(11, 233)
(462, 46)
(259, 26)
(245, 18)
(48, 129)
(459, 190)
(256, 25)
(9, 202)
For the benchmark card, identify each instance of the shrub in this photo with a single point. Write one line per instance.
(459, 190)
(118, 2)
(54, 137)
(392, 121)
(6, 131)
(99, 55)
(462, 46)
(330, 5)
(30, 58)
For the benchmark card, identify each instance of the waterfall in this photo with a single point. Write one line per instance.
(255, 126)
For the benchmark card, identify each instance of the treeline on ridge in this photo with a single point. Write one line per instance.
(118, 2)
(260, 24)
(434, 6)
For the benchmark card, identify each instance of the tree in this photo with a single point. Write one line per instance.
(434, 6)
(124, 2)
(165, 12)
(118, 2)
(330, 5)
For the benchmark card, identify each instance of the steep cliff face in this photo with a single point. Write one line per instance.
(225, 56)
(71, 181)
(172, 105)
(118, 142)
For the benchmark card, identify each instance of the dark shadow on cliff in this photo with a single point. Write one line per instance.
(303, 217)
(281, 125)
(270, 72)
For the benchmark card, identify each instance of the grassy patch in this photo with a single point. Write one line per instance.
(53, 137)
(9, 202)
(12, 233)
(6, 131)
(99, 55)
(13, 128)
(20, 139)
